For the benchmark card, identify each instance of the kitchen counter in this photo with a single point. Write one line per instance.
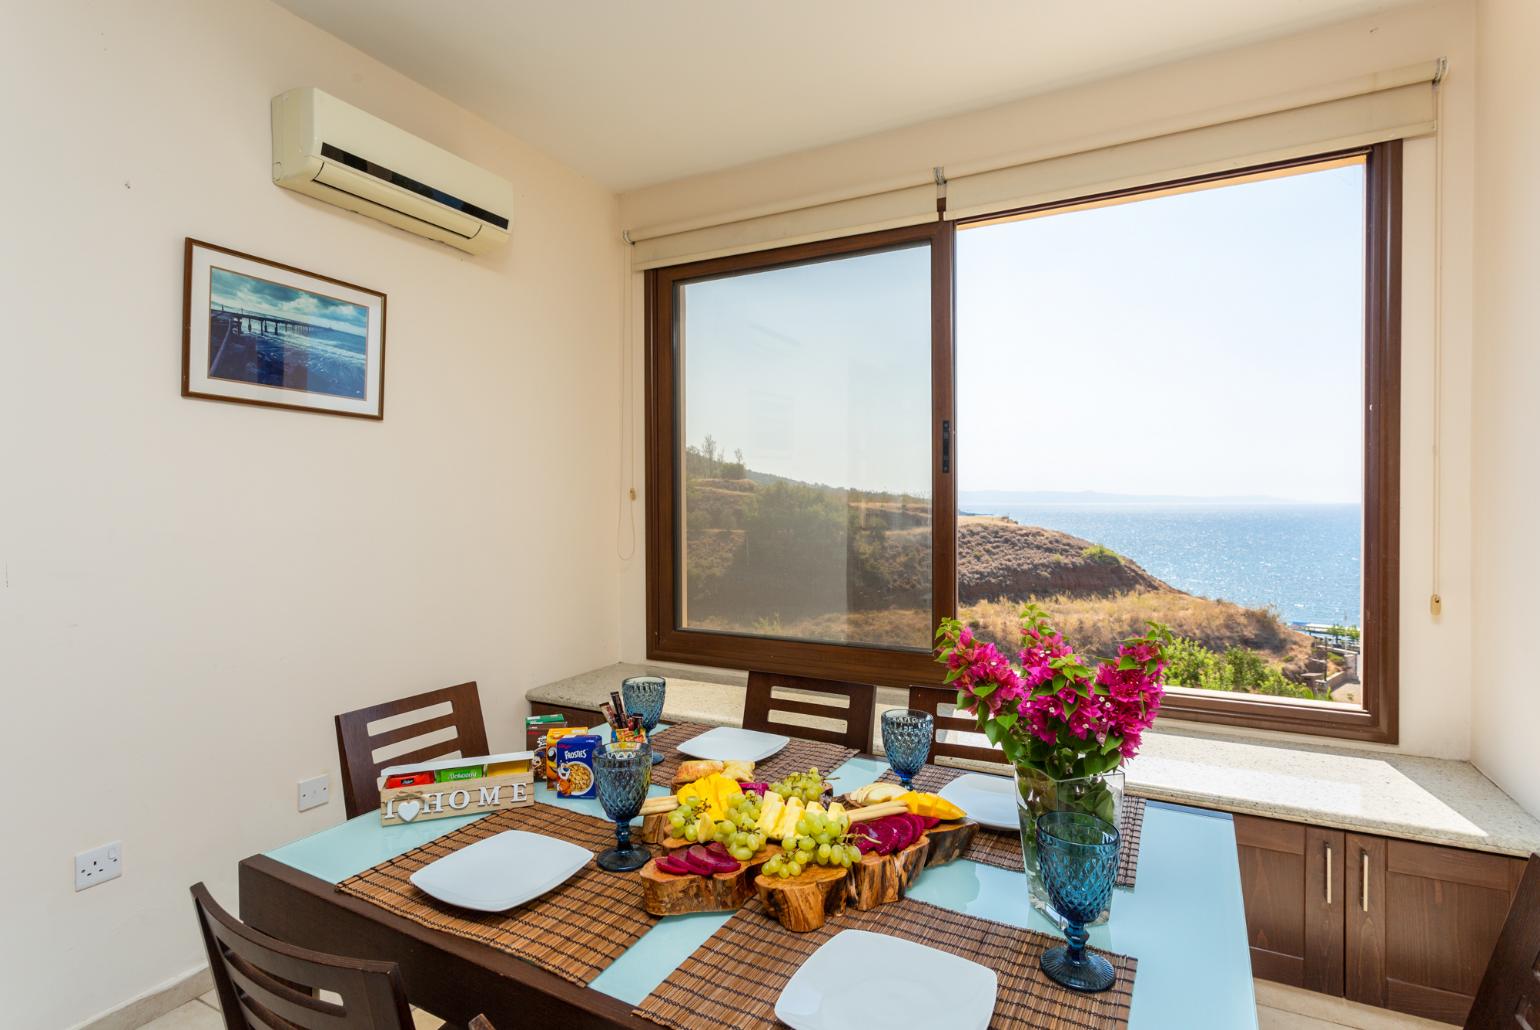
(1436, 801)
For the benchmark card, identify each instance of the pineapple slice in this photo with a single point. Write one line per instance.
(770, 814)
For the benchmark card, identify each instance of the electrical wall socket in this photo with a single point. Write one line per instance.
(314, 792)
(98, 865)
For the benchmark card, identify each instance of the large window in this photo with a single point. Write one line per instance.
(794, 419)
(1177, 403)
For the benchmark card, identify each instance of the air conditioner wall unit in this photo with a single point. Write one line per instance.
(333, 151)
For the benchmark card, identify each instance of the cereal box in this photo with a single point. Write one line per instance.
(552, 736)
(575, 766)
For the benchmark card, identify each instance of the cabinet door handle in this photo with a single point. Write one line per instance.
(1364, 893)
(1328, 875)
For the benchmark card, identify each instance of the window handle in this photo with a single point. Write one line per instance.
(1328, 876)
(946, 446)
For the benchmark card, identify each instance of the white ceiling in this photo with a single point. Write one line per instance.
(633, 92)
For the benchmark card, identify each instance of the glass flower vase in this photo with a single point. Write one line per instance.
(1036, 793)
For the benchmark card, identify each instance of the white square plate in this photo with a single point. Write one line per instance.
(729, 744)
(989, 800)
(870, 979)
(498, 873)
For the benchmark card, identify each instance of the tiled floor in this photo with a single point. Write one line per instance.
(1288, 1008)
(204, 1014)
(1278, 1008)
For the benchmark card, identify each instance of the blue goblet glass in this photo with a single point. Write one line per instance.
(644, 695)
(623, 773)
(1077, 855)
(906, 740)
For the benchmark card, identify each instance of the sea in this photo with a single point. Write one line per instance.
(1302, 559)
(319, 360)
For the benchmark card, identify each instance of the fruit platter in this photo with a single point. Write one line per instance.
(728, 838)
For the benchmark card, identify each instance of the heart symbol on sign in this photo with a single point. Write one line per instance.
(408, 810)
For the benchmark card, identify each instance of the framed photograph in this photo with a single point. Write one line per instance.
(257, 332)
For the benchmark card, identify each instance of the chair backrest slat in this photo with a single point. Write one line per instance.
(358, 747)
(1509, 995)
(855, 713)
(932, 700)
(265, 984)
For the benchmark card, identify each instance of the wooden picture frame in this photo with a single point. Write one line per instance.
(260, 332)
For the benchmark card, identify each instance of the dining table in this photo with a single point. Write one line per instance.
(1184, 922)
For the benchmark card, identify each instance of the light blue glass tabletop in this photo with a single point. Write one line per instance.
(1184, 922)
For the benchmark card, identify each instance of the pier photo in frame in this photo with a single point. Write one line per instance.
(258, 332)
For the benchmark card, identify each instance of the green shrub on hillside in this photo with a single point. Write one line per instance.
(1102, 555)
(1238, 668)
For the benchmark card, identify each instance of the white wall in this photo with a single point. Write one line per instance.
(1435, 653)
(1507, 479)
(189, 590)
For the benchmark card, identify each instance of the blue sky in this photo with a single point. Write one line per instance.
(232, 289)
(1202, 344)
(818, 372)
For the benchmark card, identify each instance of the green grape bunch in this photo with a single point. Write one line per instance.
(808, 786)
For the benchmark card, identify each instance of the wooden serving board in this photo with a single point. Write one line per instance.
(805, 902)
(667, 894)
(880, 879)
(655, 828)
(949, 841)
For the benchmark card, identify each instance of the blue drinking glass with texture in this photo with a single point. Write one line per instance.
(906, 739)
(623, 772)
(1077, 856)
(644, 696)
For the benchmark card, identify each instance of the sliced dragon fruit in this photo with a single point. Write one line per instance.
(887, 836)
(699, 860)
(928, 820)
(674, 867)
(755, 788)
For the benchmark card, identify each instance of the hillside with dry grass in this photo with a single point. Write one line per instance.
(777, 557)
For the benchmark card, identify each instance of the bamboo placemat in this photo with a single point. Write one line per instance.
(574, 931)
(800, 756)
(664, 744)
(735, 978)
(995, 848)
(797, 756)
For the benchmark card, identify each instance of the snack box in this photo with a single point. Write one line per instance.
(552, 736)
(427, 796)
(535, 729)
(411, 779)
(575, 766)
(464, 772)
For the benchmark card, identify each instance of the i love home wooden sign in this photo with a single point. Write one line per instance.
(441, 798)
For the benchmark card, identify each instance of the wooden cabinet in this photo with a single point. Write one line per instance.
(1292, 878)
(1422, 923)
(1386, 922)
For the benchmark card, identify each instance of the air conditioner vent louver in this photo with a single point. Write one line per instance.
(379, 171)
(337, 153)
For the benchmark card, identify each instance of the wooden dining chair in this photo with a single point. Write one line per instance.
(855, 712)
(931, 699)
(1509, 995)
(265, 984)
(357, 746)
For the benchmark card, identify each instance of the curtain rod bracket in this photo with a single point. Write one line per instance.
(625, 234)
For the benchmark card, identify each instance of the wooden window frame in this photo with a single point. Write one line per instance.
(666, 641)
(1378, 718)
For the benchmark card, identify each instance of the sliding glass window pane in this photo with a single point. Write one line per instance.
(805, 473)
(1160, 416)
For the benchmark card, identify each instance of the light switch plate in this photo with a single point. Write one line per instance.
(98, 865)
(314, 792)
